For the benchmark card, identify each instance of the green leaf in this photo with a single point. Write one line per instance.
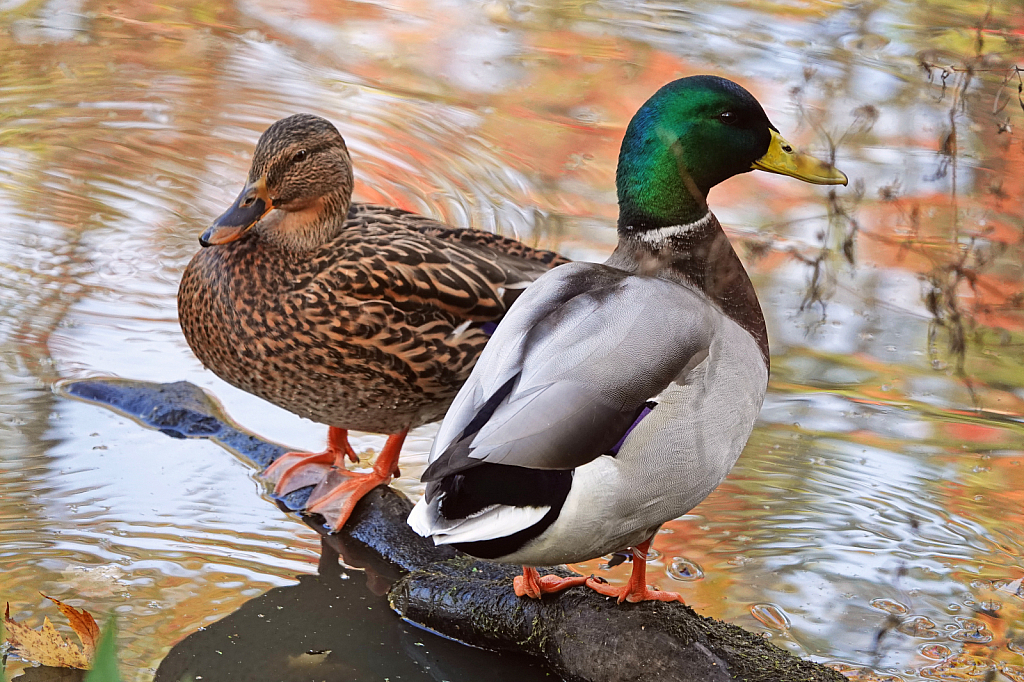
(104, 668)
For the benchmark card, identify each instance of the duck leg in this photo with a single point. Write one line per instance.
(294, 470)
(636, 590)
(531, 584)
(335, 496)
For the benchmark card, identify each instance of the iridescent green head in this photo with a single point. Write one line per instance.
(691, 135)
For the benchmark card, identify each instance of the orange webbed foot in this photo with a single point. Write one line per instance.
(294, 470)
(636, 590)
(531, 584)
(336, 495)
(631, 594)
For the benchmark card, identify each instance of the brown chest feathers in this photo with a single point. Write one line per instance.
(376, 330)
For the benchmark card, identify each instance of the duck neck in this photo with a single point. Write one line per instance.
(656, 184)
(307, 228)
(699, 256)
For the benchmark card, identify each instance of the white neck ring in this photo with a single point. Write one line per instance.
(661, 234)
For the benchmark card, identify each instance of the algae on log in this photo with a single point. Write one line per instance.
(587, 637)
(583, 636)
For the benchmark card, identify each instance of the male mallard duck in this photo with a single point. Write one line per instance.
(357, 316)
(615, 397)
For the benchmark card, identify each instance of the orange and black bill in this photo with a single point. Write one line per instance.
(251, 205)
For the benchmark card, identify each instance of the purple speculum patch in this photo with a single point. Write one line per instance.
(614, 450)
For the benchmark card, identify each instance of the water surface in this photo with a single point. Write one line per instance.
(875, 519)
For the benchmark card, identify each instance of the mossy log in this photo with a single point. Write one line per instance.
(583, 636)
(586, 637)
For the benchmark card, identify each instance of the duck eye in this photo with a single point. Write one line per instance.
(300, 156)
(728, 118)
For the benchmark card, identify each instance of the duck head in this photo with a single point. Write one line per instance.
(298, 191)
(691, 135)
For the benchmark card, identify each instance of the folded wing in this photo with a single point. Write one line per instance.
(560, 382)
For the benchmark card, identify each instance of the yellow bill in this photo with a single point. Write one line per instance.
(781, 158)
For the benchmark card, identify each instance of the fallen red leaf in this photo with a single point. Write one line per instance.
(82, 622)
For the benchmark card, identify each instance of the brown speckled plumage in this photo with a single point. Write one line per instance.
(360, 317)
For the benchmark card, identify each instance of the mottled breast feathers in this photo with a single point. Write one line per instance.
(375, 330)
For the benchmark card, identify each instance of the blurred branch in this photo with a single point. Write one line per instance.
(838, 240)
(959, 260)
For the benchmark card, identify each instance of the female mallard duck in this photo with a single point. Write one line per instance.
(357, 316)
(615, 397)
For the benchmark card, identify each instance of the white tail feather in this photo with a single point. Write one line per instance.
(496, 521)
